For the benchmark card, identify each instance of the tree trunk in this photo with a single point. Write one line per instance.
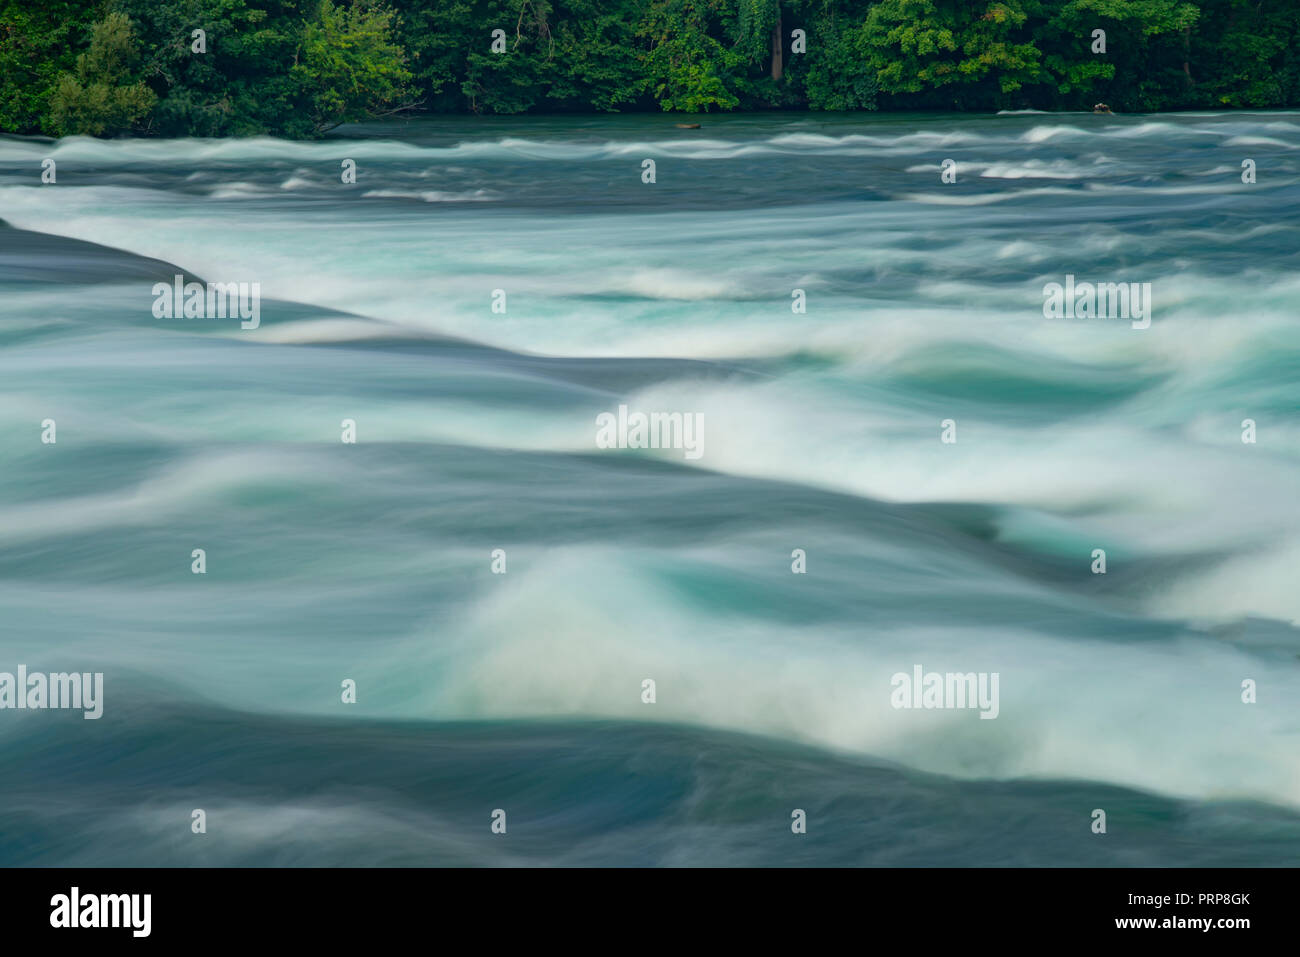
(776, 45)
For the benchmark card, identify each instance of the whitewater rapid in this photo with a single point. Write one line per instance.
(924, 304)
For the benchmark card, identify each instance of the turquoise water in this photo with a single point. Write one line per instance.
(476, 431)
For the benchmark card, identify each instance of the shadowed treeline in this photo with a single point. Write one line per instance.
(298, 68)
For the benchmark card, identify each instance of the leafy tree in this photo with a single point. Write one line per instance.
(1247, 54)
(830, 74)
(299, 67)
(593, 68)
(1145, 67)
(240, 85)
(348, 66)
(103, 96)
(39, 42)
(838, 78)
(688, 65)
(501, 83)
(439, 38)
(958, 54)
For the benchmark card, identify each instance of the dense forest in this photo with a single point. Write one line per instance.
(298, 68)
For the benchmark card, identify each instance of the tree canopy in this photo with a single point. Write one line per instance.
(299, 67)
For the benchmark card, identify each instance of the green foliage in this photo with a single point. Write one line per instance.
(39, 42)
(838, 77)
(591, 70)
(501, 83)
(689, 65)
(1142, 68)
(1246, 54)
(513, 81)
(964, 55)
(348, 66)
(299, 67)
(241, 84)
(752, 33)
(103, 96)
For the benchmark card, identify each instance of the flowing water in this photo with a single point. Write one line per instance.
(476, 431)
